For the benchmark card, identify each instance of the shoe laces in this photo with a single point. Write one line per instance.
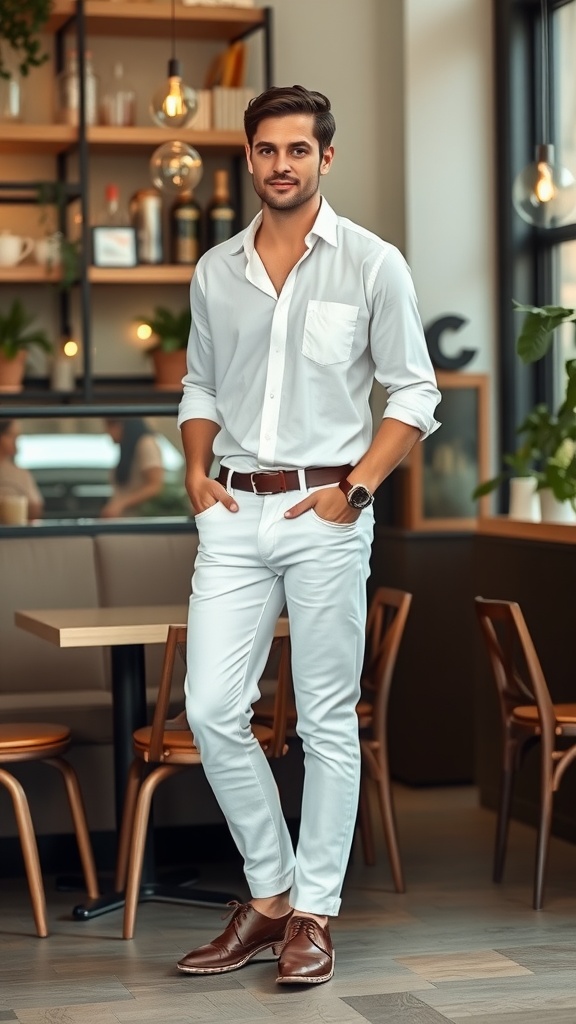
(303, 924)
(235, 908)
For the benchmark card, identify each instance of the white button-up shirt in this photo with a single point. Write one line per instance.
(288, 377)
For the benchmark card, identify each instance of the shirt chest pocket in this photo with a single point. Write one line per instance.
(329, 331)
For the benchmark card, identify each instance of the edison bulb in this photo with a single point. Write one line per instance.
(174, 104)
(176, 167)
(544, 193)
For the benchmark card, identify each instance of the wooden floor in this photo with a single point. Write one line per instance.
(453, 947)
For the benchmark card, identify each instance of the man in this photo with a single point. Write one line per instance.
(291, 321)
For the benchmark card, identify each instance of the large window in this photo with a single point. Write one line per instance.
(536, 265)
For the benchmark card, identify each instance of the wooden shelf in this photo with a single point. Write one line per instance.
(518, 529)
(106, 138)
(57, 138)
(28, 273)
(36, 138)
(160, 274)
(147, 19)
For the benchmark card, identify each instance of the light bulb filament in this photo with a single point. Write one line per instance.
(544, 189)
(174, 103)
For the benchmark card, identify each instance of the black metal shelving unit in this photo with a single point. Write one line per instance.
(93, 396)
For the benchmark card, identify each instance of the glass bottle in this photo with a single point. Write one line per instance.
(185, 221)
(112, 215)
(11, 97)
(68, 91)
(220, 214)
(118, 104)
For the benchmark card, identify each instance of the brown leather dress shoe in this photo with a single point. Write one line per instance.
(308, 955)
(247, 934)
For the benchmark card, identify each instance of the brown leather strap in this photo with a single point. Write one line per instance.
(280, 480)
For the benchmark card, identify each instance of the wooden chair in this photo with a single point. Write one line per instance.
(528, 717)
(167, 747)
(35, 742)
(385, 624)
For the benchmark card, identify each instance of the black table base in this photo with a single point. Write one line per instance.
(153, 891)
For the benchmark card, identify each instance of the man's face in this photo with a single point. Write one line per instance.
(285, 161)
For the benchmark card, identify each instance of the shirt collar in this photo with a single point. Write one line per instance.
(325, 226)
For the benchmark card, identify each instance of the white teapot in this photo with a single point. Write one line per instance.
(14, 248)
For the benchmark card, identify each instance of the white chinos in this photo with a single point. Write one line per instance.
(249, 565)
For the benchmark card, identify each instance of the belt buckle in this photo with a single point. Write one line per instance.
(268, 472)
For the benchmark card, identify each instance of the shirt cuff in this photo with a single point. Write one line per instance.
(419, 418)
(197, 407)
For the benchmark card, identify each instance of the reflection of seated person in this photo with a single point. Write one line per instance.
(450, 476)
(14, 479)
(139, 474)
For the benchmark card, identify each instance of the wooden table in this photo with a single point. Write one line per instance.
(126, 631)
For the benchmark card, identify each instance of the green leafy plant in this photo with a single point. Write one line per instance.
(170, 329)
(548, 449)
(14, 336)
(52, 199)
(21, 22)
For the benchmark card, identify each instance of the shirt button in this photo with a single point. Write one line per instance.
(271, 394)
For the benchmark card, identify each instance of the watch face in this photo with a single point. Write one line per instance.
(360, 497)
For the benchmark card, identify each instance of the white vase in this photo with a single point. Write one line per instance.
(524, 499)
(554, 511)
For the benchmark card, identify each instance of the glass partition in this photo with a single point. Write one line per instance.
(82, 469)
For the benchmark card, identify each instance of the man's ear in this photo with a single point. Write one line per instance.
(248, 160)
(327, 158)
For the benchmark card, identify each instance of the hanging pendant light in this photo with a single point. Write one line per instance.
(544, 193)
(174, 104)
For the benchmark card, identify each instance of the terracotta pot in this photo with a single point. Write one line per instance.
(169, 368)
(12, 372)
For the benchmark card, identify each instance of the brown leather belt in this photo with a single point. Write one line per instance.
(277, 481)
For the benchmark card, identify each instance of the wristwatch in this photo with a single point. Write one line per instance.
(357, 495)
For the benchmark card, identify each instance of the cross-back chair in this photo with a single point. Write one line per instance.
(47, 743)
(385, 624)
(528, 716)
(166, 747)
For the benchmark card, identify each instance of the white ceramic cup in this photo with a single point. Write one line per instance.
(14, 248)
(13, 509)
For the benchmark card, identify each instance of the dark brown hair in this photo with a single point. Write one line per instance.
(282, 100)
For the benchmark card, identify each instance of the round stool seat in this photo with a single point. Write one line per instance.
(26, 737)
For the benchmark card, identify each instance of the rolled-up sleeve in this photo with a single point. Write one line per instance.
(199, 397)
(398, 346)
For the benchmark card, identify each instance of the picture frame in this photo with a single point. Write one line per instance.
(114, 246)
(441, 473)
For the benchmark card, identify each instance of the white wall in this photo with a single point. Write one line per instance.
(450, 239)
(352, 51)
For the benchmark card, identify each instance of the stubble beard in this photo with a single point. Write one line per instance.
(289, 202)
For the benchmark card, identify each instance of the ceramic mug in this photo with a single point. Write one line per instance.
(13, 509)
(14, 248)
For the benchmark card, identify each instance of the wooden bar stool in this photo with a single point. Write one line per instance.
(41, 742)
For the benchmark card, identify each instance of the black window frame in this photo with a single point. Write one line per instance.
(525, 254)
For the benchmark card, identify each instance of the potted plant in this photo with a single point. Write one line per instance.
(21, 22)
(62, 253)
(546, 458)
(15, 342)
(170, 333)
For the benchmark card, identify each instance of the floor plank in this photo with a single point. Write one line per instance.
(453, 947)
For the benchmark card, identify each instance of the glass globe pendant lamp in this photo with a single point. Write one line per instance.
(544, 192)
(174, 104)
(176, 167)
